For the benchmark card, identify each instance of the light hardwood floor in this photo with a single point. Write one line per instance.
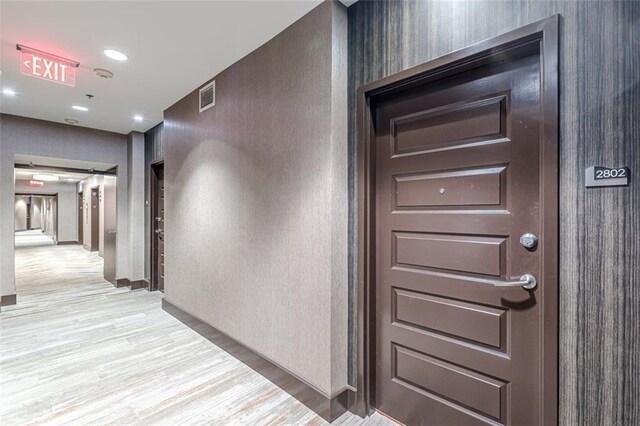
(77, 350)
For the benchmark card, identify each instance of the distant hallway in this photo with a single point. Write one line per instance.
(76, 350)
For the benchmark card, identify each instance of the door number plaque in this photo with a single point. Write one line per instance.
(606, 176)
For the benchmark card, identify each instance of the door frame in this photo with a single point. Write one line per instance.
(542, 35)
(80, 213)
(153, 189)
(97, 189)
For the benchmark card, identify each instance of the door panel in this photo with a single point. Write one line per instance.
(457, 182)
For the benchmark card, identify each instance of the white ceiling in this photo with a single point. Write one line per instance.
(39, 160)
(173, 47)
(23, 174)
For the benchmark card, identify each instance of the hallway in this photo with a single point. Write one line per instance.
(76, 350)
(33, 238)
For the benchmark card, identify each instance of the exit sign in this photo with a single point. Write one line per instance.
(39, 64)
(36, 184)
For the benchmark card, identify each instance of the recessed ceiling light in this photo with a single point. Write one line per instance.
(115, 55)
(80, 108)
(8, 92)
(138, 117)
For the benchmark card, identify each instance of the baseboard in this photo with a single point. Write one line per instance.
(123, 282)
(86, 247)
(138, 284)
(66, 243)
(327, 408)
(7, 300)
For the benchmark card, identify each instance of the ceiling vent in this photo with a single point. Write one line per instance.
(208, 96)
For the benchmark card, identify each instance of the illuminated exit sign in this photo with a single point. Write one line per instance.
(36, 184)
(39, 64)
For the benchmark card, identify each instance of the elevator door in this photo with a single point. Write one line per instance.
(457, 184)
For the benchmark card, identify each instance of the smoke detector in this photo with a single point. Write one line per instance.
(101, 72)
(71, 121)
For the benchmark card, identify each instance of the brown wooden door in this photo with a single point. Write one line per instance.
(95, 218)
(158, 227)
(457, 183)
(80, 238)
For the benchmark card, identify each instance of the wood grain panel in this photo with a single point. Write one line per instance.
(480, 255)
(461, 386)
(476, 187)
(449, 126)
(474, 322)
(599, 96)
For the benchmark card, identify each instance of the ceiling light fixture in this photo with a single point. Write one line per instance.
(138, 117)
(46, 177)
(8, 92)
(116, 55)
(80, 108)
(71, 121)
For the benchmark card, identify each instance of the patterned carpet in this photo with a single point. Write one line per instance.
(77, 351)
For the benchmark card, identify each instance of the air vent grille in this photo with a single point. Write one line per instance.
(208, 96)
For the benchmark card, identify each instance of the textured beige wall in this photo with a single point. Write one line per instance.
(256, 211)
(20, 214)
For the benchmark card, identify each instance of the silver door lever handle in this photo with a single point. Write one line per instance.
(527, 281)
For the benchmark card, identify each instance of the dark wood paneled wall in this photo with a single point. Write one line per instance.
(599, 124)
(154, 149)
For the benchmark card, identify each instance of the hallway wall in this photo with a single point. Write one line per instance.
(20, 213)
(67, 205)
(599, 99)
(19, 135)
(256, 208)
(49, 216)
(36, 213)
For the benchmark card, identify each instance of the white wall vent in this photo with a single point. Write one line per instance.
(208, 96)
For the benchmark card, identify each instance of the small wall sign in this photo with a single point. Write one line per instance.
(36, 184)
(46, 66)
(606, 176)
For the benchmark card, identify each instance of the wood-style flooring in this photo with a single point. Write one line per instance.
(75, 350)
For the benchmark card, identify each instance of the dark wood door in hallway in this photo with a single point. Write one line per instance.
(464, 239)
(95, 218)
(157, 230)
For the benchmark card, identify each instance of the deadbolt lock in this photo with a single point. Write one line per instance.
(528, 240)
